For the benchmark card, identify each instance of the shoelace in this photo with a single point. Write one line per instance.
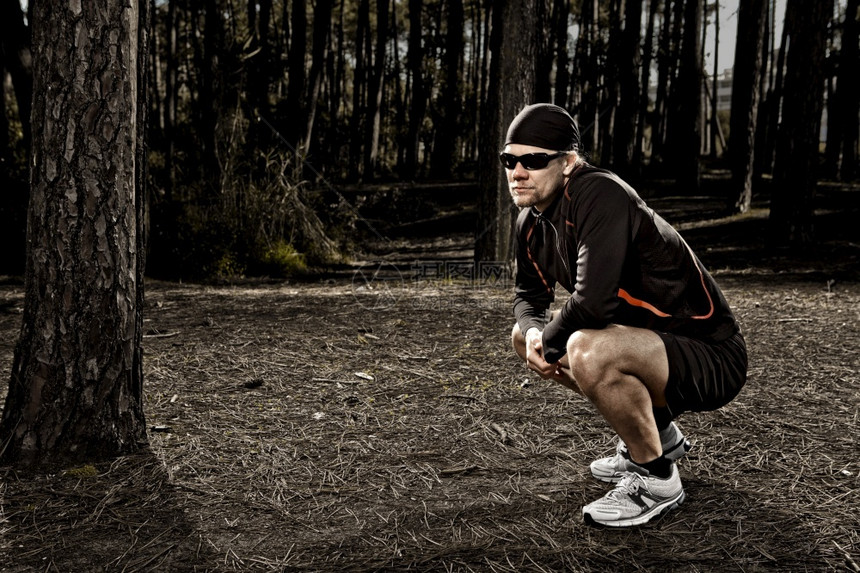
(629, 485)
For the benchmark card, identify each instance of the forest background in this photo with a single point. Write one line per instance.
(216, 140)
(274, 125)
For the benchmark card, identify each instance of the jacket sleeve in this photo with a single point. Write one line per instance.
(602, 218)
(532, 296)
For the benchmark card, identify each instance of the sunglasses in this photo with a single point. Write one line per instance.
(529, 161)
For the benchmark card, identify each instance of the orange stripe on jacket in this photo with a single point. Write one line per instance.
(633, 301)
(529, 254)
(641, 303)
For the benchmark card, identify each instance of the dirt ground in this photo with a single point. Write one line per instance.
(377, 420)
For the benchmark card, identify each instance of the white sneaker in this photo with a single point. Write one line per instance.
(635, 500)
(612, 468)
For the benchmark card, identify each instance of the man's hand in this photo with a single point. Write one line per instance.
(534, 355)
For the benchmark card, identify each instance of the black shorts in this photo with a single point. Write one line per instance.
(703, 376)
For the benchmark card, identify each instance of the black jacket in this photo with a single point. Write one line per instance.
(621, 262)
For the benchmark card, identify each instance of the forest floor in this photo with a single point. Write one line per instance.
(377, 420)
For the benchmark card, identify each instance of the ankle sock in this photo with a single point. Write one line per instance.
(662, 416)
(661, 467)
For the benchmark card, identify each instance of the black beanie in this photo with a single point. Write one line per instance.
(544, 125)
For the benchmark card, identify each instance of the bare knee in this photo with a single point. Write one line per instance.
(588, 363)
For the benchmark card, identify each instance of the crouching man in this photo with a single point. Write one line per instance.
(646, 333)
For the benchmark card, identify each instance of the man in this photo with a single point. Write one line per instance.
(646, 333)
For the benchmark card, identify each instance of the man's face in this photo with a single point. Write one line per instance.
(538, 187)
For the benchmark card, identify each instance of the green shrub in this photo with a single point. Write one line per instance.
(281, 259)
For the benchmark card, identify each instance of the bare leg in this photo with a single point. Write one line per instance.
(623, 371)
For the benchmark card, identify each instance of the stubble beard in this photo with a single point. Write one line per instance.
(523, 201)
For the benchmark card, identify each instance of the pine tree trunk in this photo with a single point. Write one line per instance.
(746, 82)
(76, 390)
(560, 13)
(496, 211)
(375, 91)
(667, 59)
(444, 146)
(418, 97)
(319, 53)
(686, 133)
(794, 177)
(773, 103)
(294, 112)
(170, 97)
(849, 84)
(359, 89)
(644, 83)
(628, 104)
(211, 87)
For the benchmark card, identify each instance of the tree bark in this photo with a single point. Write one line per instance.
(496, 211)
(752, 19)
(76, 389)
(794, 177)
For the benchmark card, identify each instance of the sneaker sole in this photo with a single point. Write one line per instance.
(673, 454)
(640, 519)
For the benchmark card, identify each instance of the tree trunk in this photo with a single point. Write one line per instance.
(667, 58)
(794, 177)
(171, 97)
(715, 120)
(686, 132)
(211, 90)
(560, 14)
(644, 83)
(448, 110)
(611, 83)
(259, 65)
(319, 53)
(359, 89)
(752, 19)
(773, 105)
(496, 211)
(294, 112)
(418, 97)
(585, 95)
(375, 91)
(849, 87)
(628, 103)
(5, 143)
(76, 389)
(333, 140)
(544, 54)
